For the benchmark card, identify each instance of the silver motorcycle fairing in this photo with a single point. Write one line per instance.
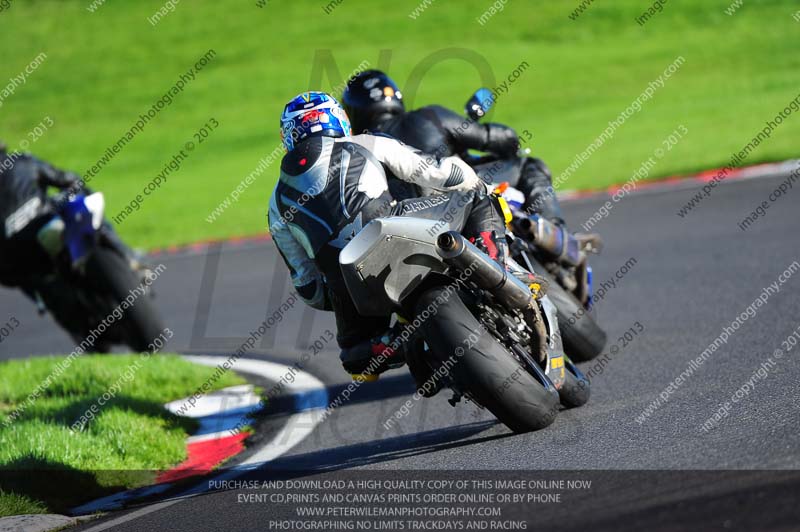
(555, 368)
(391, 257)
(387, 260)
(551, 320)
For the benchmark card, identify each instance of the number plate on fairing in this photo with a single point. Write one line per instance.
(20, 218)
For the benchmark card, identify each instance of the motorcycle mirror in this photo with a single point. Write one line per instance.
(480, 104)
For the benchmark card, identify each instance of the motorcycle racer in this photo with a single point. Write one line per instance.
(24, 180)
(375, 104)
(332, 184)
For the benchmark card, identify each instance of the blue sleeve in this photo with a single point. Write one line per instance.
(306, 277)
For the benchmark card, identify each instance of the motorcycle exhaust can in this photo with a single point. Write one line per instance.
(460, 253)
(553, 239)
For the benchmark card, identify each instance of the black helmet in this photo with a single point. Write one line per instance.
(370, 98)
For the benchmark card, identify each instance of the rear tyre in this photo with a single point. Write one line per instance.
(114, 278)
(582, 337)
(481, 365)
(576, 390)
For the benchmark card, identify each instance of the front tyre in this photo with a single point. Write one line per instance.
(112, 275)
(482, 366)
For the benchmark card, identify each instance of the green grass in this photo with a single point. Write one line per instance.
(131, 437)
(13, 504)
(105, 68)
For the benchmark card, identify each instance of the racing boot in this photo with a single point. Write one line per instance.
(536, 283)
(492, 245)
(427, 382)
(497, 249)
(536, 183)
(366, 360)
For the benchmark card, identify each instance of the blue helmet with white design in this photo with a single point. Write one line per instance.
(311, 114)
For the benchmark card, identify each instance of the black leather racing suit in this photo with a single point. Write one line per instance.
(441, 132)
(330, 188)
(23, 210)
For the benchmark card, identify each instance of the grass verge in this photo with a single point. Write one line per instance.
(107, 66)
(46, 467)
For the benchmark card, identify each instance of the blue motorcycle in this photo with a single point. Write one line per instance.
(94, 288)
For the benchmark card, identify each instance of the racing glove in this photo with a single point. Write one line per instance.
(461, 176)
(502, 140)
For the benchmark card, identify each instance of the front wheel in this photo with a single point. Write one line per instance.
(118, 284)
(479, 364)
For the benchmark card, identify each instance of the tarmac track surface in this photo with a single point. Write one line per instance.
(690, 278)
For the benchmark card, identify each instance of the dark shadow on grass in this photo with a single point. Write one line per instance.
(60, 486)
(73, 412)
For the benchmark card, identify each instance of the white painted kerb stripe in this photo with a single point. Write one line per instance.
(296, 428)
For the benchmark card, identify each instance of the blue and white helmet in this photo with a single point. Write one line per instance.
(313, 114)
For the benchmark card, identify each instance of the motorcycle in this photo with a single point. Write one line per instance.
(91, 278)
(476, 328)
(545, 248)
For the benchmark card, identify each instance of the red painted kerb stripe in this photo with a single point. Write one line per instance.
(203, 456)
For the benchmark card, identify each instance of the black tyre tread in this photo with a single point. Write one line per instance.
(582, 337)
(574, 392)
(112, 273)
(484, 368)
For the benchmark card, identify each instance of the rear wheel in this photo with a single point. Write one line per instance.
(575, 391)
(582, 337)
(479, 364)
(117, 282)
